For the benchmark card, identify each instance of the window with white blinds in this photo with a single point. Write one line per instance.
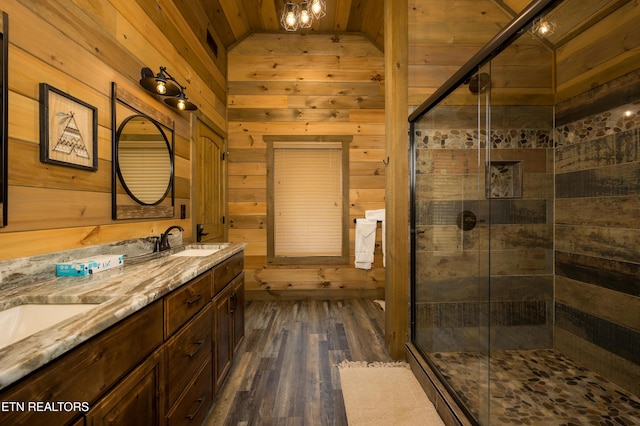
(145, 166)
(308, 201)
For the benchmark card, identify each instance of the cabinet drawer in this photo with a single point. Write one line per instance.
(186, 352)
(224, 272)
(183, 303)
(89, 370)
(194, 404)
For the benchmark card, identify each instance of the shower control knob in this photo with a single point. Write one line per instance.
(466, 220)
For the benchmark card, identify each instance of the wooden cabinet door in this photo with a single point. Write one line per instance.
(136, 400)
(222, 336)
(237, 310)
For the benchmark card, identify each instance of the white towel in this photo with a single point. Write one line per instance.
(375, 214)
(379, 215)
(365, 242)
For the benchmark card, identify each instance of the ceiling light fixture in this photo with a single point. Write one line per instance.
(301, 14)
(305, 17)
(164, 84)
(318, 8)
(542, 28)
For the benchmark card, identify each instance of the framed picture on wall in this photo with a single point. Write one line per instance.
(68, 130)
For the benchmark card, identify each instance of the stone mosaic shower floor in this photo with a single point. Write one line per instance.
(537, 387)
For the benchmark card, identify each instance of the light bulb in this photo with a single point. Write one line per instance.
(316, 7)
(544, 28)
(305, 18)
(291, 19)
(161, 87)
(181, 104)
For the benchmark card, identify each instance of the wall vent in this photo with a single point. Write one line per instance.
(212, 44)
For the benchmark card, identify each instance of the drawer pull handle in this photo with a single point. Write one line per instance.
(198, 297)
(199, 343)
(200, 402)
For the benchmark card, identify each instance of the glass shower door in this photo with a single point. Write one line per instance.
(450, 236)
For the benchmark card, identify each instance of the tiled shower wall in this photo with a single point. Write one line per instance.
(597, 243)
(454, 302)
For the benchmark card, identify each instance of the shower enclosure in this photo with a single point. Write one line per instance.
(525, 187)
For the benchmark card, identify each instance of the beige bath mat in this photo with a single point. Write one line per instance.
(384, 394)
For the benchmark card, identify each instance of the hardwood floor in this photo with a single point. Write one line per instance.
(285, 373)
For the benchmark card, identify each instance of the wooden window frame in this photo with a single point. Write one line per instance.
(307, 260)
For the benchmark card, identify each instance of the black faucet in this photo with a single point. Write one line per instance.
(164, 238)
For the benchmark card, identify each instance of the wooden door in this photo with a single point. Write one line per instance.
(210, 183)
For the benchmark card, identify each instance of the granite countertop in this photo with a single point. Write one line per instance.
(117, 292)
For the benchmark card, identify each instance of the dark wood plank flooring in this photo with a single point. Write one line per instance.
(285, 372)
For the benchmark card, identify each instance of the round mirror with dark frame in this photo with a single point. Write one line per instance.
(143, 160)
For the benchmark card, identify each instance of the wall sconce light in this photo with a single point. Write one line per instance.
(542, 28)
(164, 84)
(301, 15)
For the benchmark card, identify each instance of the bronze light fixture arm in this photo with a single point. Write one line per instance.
(164, 84)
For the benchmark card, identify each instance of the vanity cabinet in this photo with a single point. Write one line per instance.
(88, 371)
(160, 366)
(228, 314)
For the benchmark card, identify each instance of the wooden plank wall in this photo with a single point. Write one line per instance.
(80, 48)
(304, 84)
(440, 45)
(606, 50)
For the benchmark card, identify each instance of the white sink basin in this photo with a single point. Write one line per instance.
(196, 252)
(24, 320)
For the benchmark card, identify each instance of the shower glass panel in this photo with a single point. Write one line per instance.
(524, 197)
(483, 225)
(451, 222)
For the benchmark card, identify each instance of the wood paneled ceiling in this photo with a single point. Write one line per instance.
(235, 19)
(232, 20)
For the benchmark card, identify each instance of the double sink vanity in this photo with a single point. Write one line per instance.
(146, 343)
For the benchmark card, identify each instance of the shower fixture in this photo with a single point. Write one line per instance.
(478, 83)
